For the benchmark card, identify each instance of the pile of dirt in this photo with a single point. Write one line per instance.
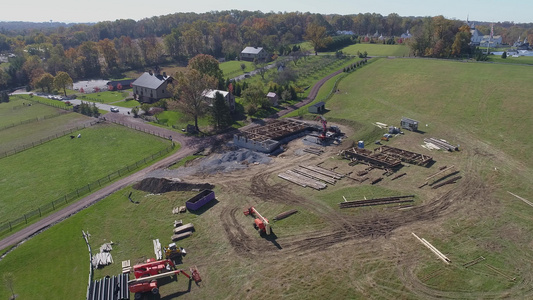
(163, 185)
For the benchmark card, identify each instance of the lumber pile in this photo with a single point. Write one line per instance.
(157, 249)
(286, 214)
(126, 266)
(377, 201)
(474, 262)
(398, 176)
(177, 237)
(183, 228)
(302, 180)
(433, 249)
(314, 175)
(179, 210)
(323, 171)
(376, 180)
(314, 150)
(449, 181)
(442, 144)
(106, 247)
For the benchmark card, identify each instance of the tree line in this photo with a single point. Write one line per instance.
(109, 48)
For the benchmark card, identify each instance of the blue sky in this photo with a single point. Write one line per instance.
(518, 11)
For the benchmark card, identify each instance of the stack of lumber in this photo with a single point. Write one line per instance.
(377, 201)
(314, 175)
(314, 150)
(302, 180)
(433, 249)
(323, 171)
(442, 144)
(180, 209)
(106, 247)
(183, 231)
(157, 249)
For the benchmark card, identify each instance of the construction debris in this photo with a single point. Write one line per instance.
(376, 180)
(433, 249)
(314, 175)
(101, 259)
(106, 247)
(473, 262)
(323, 171)
(314, 150)
(178, 223)
(441, 175)
(377, 201)
(442, 144)
(179, 210)
(286, 214)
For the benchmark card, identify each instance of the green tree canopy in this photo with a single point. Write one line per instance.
(62, 81)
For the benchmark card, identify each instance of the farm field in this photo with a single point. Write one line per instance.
(324, 251)
(17, 110)
(30, 181)
(377, 50)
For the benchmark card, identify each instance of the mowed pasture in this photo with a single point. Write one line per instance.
(476, 216)
(42, 174)
(377, 50)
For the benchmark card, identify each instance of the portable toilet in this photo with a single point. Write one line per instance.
(361, 144)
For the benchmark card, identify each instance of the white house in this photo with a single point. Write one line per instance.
(230, 98)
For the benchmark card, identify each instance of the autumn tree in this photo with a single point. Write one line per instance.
(188, 90)
(88, 55)
(62, 81)
(317, 36)
(461, 44)
(46, 80)
(206, 64)
(254, 96)
(109, 53)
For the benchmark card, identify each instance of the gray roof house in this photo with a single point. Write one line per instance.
(150, 87)
(251, 53)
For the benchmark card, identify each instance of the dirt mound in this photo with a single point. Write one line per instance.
(163, 185)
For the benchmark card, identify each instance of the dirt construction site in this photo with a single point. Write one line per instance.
(359, 211)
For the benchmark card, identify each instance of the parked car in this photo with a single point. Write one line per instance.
(114, 109)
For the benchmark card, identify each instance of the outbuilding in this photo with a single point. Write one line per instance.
(409, 124)
(317, 108)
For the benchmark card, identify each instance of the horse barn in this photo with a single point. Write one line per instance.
(269, 137)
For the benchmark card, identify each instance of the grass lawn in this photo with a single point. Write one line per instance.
(377, 50)
(528, 60)
(30, 180)
(463, 96)
(105, 97)
(233, 68)
(128, 103)
(14, 112)
(42, 100)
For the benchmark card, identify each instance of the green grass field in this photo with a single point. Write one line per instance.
(527, 60)
(377, 50)
(105, 97)
(17, 110)
(30, 181)
(482, 106)
(233, 68)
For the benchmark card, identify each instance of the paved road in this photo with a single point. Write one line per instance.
(189, 146)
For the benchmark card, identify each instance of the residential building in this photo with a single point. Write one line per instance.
(253, 53)
(230, 98)
(151, 87)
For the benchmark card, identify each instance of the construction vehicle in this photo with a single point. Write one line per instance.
(146, 276)
(138, 286)
(174, 253)
(260, 223)
(327, 133)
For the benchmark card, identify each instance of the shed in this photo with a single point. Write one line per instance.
(317, 108)
(409, 124)
(273, 98)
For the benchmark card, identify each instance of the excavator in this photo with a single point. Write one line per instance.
(260, 223)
